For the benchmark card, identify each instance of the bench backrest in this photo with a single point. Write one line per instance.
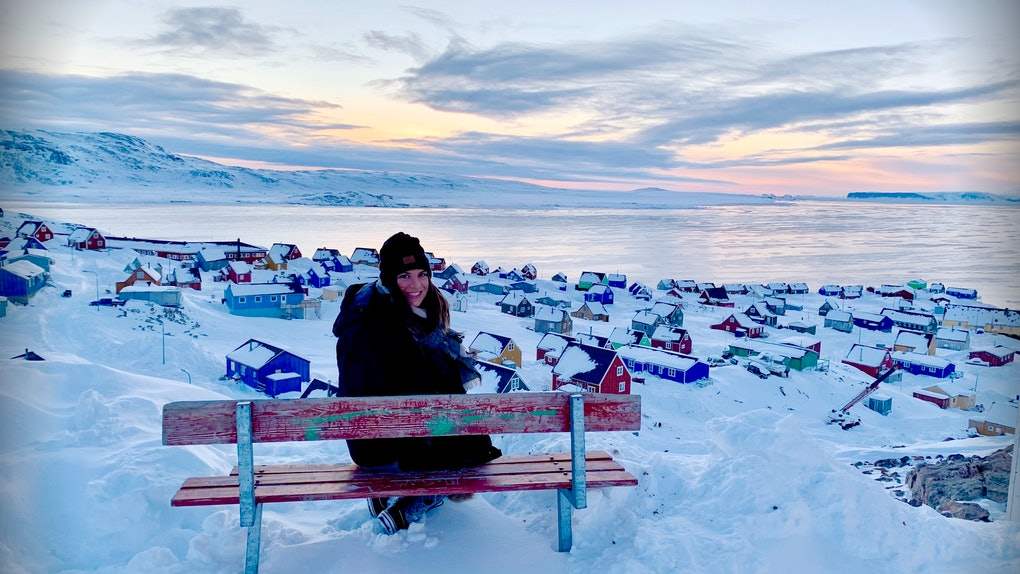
(215, 422)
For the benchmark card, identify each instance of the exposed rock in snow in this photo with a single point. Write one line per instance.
(960, 478)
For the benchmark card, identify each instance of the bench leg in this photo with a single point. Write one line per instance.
(251, 552)
(564, 507)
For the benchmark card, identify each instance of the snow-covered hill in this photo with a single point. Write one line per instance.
(933, 197)
(53, 166)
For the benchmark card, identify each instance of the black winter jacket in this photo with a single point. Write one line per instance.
(383, 350)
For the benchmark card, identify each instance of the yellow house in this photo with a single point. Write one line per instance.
(990, 319)
(957, 399)
(495, 349)
(915, 342)
(275, 262)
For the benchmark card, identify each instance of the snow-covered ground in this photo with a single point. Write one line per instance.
(737, 474)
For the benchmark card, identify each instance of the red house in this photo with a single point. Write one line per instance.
(285, 251)
(738, 322)
(995, 357)
(870, 360)
(938, 399)
(592, 369)
(86, 238)
(36, 229)
(456, 284)
(4, 241)
(529, 271)
(716, 296)
(435, 263)
(239, 272)
(550, 346)
(671, 339)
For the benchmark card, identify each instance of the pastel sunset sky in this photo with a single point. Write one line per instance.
(744, 97)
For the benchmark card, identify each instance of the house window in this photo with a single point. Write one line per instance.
(258, 298)
(672, 372)
(272, 297)
(619, 371)
(510, 346)
(240, 299)
(622, 387)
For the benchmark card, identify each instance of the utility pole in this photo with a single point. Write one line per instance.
(162, 338)
(1013, 499)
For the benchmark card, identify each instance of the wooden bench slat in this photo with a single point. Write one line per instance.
(353, 474)
(212, 422)
(417, 486)
(591, 455)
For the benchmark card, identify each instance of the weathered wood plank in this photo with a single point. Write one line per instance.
(355, 474)
(212, 422)
(409, 486)
(591, 455)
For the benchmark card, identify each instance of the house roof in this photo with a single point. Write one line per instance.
(865, 316)
(911, 318)
(24, 269)
(514, 298)
(982, 316)
(240, 267)
(866, 355)
(547, 313)
(245, 289)
(495, 378)
(254, 353)
(920, 359)
(663, 309)
(668, 333)
(744, 321)
(81, 234)
(998, 351)
(600, 289)
(715, 293)
(912, 339)
(657, 356)
(489, 343)
(585, 363)
(625, 336)
(839, 315)
(646, 318)
(554, 342)
(595, 307)
(949, 334)
(592, 339)
(617, 277)
(801, 341)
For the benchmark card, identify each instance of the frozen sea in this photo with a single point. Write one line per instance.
(817, 242)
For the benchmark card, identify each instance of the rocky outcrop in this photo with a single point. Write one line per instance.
(943, 485)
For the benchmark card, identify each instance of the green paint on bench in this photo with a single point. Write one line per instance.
(441, 426)
(545, 413)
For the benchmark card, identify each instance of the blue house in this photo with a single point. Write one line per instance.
(918, 364)
(872, 321)
(600, 294)
(316, 279)
(267, 368)
(830, 290)
(618, 280)
(494, 288)
(21, 280)
(961, 292)
(512, 275)
(499, 379)
(340, 264)
(264, 300)
(664, 364)
(525, 286)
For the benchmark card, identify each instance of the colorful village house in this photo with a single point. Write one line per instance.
(663, 364)
(988, 319)
(872, 321)
(499, 379)
(456, 284)
(936, 288)
(995, 356)
(715, 296)
(959, 398)
(267, 368)
(600, 294)
(804, 342)
(36, 230)
(759, 313)
(435, 263)
(827, 306)
(801, 327)
(893, 291)
(778, 287)
(593, 340)
(86, 238)
(851, 291)
(524, 286)
(958, 292)
(529, 271)
(276, 300)
(287, 251)
(164, 295)
(560, 277)
(665, 284)
(480, 268)
(915, 342)
(669, 338)
(511, 275)
(618, 280)
(589, 279)
(517, 304)
(495, 349)
(553, 302)
(185, 277)
(953, 339)
(940, 400)
(799, 288)
(552, 320)
(686, 286)
(21, 280)
(591, 311)
(646, 322)
(913, 320)
(238, 272)
(550, 346)
(735, 288)
(621, 337)
(996, 420)
(672, 314)
(315, 278)
(702, 286)
(740, 325)
(794, 357)
(591, 369)
(919, 284)
(37, 257)
(323, 254)
(140, 276)
(759, 291)
(776, 305)
(643, 294)
(489, 286)
(365, 256)
(839, 320)
(830, 290)
(868, 359)
(918, 364)
(448, 271)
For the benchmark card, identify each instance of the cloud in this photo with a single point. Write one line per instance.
(410, 43)
(212, 30)
(157, 103)
(937, 135)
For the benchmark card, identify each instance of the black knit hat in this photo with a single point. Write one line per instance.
(400, 253)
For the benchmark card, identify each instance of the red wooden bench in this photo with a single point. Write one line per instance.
(248, 422)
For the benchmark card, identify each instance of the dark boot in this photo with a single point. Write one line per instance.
(377, 505)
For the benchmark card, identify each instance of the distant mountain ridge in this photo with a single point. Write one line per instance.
(933, 197)
(44, 165)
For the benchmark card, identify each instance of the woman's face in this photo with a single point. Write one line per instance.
(414, 284)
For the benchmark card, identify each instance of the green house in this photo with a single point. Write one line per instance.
(917, 284)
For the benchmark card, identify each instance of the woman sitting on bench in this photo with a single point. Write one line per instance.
(394, 338)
